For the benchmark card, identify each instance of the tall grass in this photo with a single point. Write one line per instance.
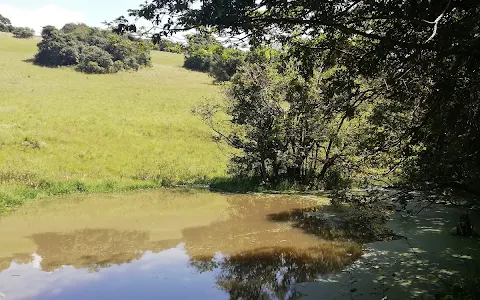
(62, 131)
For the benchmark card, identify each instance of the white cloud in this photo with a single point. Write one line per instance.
(36, 18)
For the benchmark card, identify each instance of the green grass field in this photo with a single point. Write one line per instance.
(62, 131)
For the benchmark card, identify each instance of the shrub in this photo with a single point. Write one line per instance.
(197, 62)
(200, 51)
(225, 65)
(206, 54)
(132, 54)
(95, 60)
(143, 53)
(91, 50)
(56, 49)
(169, 46)
(118, 66)
(23, 32)
(90, 67)
(131, 63)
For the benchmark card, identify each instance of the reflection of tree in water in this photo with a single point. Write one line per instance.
(5, 263)
(92, 248)
(19, 258)
(271, 273)
(89, 248)
(248, 227)
(264, 259)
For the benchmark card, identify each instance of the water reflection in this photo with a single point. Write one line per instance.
(193, 246)
(270, 273)
(170, 245)
(89, 248)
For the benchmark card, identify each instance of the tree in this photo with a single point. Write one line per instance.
(201, 48)
(5, 24)
(56, 49)
(95, 60)
(23, 32)
(290, 125)
(224, 65)
(425, 52)
(72, 27)
(408, 24)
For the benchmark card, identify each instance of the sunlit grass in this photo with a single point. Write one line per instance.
(63, 131)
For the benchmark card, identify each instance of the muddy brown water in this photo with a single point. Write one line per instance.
(173, 244)
(162, 245)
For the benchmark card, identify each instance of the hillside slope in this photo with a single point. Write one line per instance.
(131, 128)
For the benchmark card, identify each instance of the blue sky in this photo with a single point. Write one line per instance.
(38, 13)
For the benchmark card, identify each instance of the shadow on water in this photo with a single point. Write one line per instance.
(424, 262)
(338, 223)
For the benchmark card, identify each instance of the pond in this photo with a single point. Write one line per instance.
(171, 244)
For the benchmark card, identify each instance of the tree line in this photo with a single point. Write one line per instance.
(18, 32)
(203, 52)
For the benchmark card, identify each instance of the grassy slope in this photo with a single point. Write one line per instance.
(62, 131)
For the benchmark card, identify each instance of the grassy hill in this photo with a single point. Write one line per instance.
(62, 131)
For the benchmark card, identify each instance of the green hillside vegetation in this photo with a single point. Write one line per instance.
(63, 131)
(204, 53)
(91, 50)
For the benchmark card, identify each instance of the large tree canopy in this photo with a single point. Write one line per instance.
(425, 52)
(411, 24)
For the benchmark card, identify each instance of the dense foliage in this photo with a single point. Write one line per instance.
(294, 126)
(5, 24)
(201, 47)
(224, 65)
(205, 53)
(18, 32)
(91, 50)
(23, 32)
(425, 53)
(170, 46)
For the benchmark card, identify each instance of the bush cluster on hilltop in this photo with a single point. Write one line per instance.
(23, 32)
(91, 50)
(18, 32)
